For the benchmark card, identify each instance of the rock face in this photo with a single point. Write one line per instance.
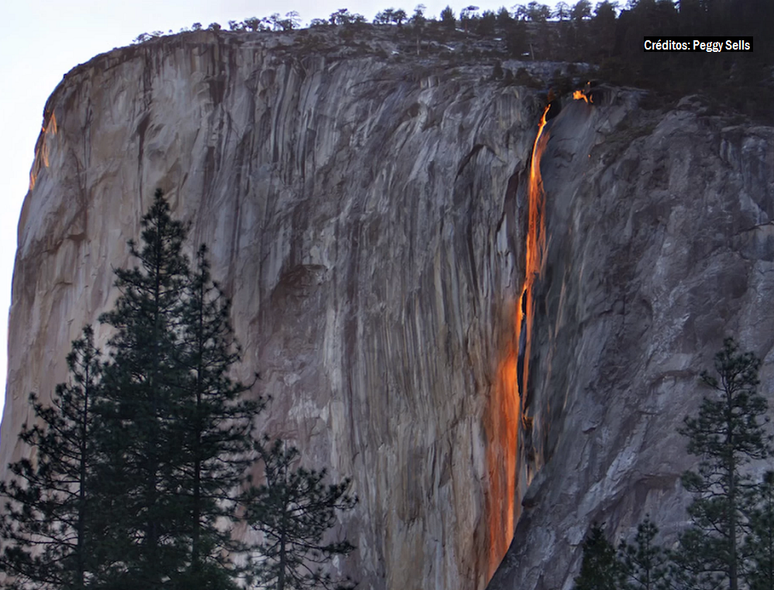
(368, 218)
(358, 213)
(659, 231)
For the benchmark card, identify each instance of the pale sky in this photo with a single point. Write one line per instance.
(41, 40)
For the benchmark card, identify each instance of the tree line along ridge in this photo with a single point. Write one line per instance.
(603, 40)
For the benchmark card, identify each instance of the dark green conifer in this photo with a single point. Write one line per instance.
(761, 538)
(47, 526)
(144, 383)
(180, 434)
(448, 21)
(293, 509)
(217, 428)
(727, 434)
(645, 563)
(600, 568)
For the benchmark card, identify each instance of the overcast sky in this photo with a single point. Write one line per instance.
(41, 40)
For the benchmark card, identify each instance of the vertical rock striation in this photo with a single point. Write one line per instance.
(658, 246)
(369, 219)
(363, 217)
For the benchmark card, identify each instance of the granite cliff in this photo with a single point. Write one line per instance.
(371, 220)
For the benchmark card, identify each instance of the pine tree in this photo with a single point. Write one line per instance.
(144, 381)
(217, 428)
(293, 510)
(644, 563)
(448, 21)
(48, 523)
(726, 435)
(761, 538)
(180, 434)
(600, 568)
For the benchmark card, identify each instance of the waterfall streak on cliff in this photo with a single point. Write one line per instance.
(504, 463)
(535, 251)
(501, 505)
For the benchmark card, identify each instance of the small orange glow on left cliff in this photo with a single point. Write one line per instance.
(41, 149)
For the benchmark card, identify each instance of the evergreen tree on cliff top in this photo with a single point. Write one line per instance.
(727, 434)
(49, 538)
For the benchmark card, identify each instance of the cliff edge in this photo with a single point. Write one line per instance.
(368, 217)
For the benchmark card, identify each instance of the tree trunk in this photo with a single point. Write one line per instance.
(84, 431)
(733, 573)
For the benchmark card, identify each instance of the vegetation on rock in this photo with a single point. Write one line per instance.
(49, 522)
(141, 460)
(292, 510)
(606, 37)
(729, 542)
(600, 569)
(726, 435)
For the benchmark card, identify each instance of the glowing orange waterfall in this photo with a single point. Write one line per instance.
(502, 457)
(534, 255)
(505, 406)
(535, 247)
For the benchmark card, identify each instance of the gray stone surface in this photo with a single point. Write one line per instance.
(659, 246)
(356, 213)
(368, 216)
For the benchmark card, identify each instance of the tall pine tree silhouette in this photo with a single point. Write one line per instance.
(144, 382)
(179, 434)
(47, 526)
(293, 510)
(726, 435)
(217, 428)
